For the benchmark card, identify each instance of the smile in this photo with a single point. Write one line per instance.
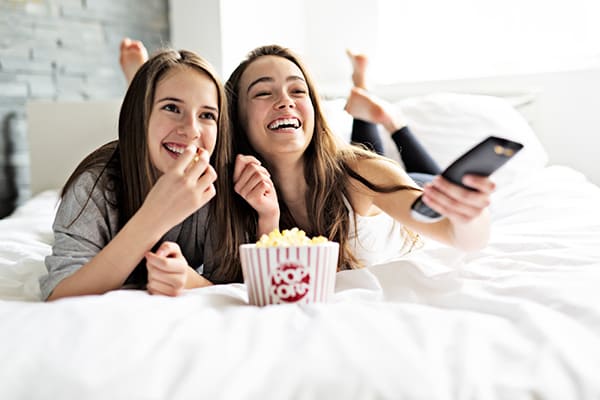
(285, 123)
(174, 149)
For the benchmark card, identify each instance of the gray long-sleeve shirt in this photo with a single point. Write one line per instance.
(83, 227)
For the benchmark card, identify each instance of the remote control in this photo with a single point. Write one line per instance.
(483, 159)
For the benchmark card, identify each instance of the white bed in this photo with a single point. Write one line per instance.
(518, 320)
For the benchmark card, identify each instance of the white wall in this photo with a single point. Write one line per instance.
(333, 26)
(438, 39)
(196, 25)
(249, 24)
(224, 31)
(568, 108)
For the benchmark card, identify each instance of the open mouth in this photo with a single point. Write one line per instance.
(174, 149)
(285, 124)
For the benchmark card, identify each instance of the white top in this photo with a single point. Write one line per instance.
(379, 238)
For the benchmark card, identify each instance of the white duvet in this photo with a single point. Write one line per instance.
(517, 320)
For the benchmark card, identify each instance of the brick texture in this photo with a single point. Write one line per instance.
(62, 50)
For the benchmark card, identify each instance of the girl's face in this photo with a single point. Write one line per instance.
(275, 107)
(185, 111)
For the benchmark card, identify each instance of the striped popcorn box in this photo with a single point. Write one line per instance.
(289, 274)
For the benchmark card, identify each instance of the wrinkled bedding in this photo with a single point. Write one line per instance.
(519, 319)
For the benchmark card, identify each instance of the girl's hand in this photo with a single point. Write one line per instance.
(457, 203)
(253, 182)
(167, 270)
(182, 190)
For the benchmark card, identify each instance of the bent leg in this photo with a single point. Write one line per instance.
(414, 156)
(366, 133)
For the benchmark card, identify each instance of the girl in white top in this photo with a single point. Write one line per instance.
(292, 172)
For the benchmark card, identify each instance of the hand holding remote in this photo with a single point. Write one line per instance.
(483, 159)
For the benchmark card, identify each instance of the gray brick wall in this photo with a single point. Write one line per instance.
(62, 50)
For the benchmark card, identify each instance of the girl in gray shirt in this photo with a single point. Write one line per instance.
(138, 210)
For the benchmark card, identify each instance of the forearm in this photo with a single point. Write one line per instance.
(473, 235)
(109, 269)
(266, 224)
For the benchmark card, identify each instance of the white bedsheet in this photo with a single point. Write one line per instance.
(517, 320)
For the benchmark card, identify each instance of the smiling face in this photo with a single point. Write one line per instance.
(275, 108)
(184, 111)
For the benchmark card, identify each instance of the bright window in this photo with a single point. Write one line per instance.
(440, 39)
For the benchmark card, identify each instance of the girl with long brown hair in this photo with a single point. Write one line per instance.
(137, 210)
(291, 171)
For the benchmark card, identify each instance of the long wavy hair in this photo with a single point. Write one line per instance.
(124, 165)
(326, 167)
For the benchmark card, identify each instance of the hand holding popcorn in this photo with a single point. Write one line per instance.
(253, 182)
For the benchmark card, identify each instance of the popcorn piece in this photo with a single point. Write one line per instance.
(289, 237)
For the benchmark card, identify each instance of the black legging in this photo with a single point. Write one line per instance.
(413, 154)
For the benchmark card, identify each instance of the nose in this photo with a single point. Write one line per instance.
(189, 127)
(284, 101)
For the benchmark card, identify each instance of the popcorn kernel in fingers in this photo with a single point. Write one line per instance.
(197, 156)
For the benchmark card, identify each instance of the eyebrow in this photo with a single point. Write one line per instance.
(270, 79)
(175, 99)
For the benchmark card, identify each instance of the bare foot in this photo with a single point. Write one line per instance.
(359, 68)
(133, 54)
(362, 105)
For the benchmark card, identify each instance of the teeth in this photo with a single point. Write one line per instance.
(175, 149)
(287, 122)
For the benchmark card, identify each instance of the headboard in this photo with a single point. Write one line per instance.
(62, 133)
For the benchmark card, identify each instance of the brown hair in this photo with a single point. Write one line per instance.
(326, 167)
(125, 166)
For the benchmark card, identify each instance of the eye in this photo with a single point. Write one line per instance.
(170, 107)
(300, 91)
(262, 94)
(208, 115)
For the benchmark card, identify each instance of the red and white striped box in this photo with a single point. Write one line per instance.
(289, 274)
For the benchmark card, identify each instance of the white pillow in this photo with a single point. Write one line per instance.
(337, 118)
(448, 124)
